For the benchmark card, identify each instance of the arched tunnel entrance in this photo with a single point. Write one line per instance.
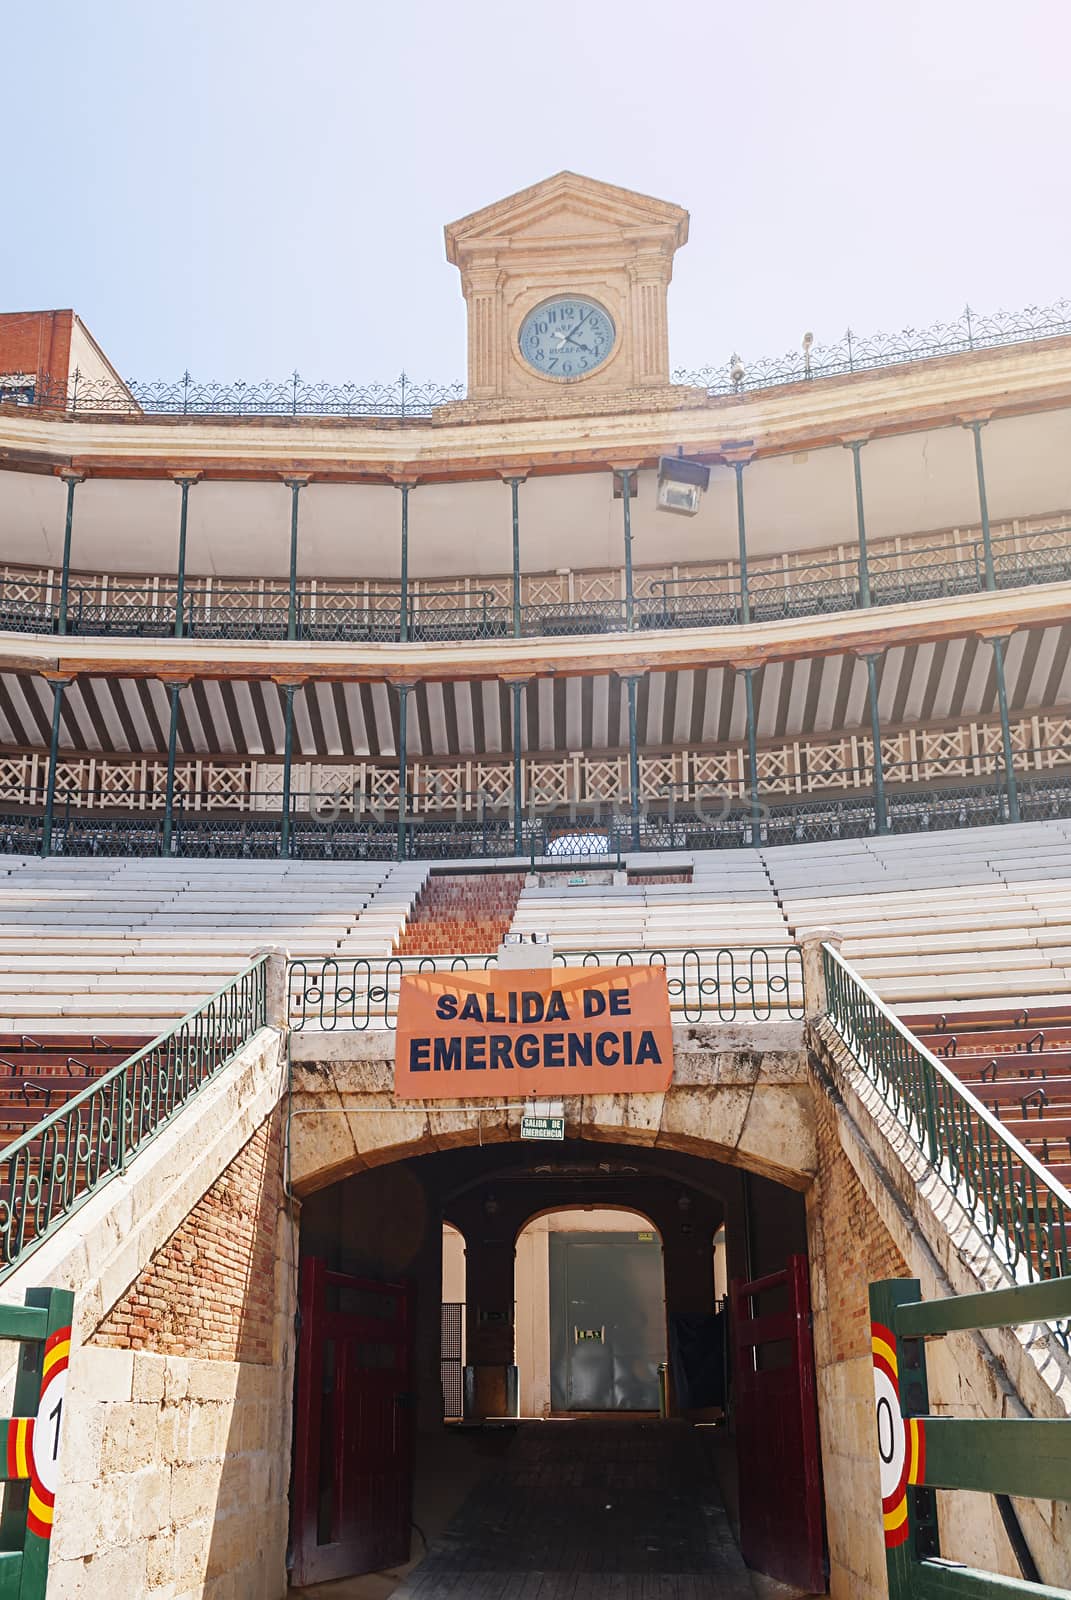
(634, 1396)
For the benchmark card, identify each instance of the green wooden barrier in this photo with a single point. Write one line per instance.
(31, 1438)
(919, 1453)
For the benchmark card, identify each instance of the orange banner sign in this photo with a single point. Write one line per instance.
(549, 1031)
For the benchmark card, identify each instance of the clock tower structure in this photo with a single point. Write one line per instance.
(566, 285)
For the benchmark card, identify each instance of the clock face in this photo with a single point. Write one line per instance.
(567, 337)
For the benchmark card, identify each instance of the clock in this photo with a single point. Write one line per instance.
(567, 337)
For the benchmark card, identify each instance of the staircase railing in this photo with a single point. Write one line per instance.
(1024, 1211)
(53, 1168)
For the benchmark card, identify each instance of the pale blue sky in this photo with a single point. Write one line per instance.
(246, 186)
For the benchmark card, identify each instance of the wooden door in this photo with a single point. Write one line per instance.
(353, 1441)
(776, 1424)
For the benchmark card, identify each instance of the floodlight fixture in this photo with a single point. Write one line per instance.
(681, 483)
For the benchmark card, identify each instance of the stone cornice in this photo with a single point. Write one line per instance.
(873, 630)
(937, 392)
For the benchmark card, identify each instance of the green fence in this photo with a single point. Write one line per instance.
(53, 1168)
(919, 1453)
(1024, 1212)
(32, 1438)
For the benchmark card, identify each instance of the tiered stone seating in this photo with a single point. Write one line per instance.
(461, 913)
(39, 1075)
(1019, 1065)
(727, 904)
(954, 920)
(129, 946)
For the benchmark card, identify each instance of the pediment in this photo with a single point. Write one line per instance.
(566, 206)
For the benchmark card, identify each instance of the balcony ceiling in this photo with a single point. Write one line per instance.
(925, 682)
(912, 482)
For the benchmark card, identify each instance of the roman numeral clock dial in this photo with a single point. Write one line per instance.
(567, 337)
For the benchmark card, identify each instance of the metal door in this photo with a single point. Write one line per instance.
(776, 1419)
(608, 1321)
(353, 1448)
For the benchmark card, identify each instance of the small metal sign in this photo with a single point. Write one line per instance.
(533, 1127)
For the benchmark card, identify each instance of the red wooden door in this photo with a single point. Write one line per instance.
(353, 1440)
(776, 1416)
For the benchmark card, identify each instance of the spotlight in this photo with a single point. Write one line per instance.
(680, 484)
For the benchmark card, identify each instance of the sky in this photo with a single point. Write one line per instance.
(245, 188)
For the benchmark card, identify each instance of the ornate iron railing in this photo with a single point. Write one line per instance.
(971, 331)
(1024, 1211)
(705, 985)
(401, 397)
(340, 616)
(572, 834)
(53, 1168)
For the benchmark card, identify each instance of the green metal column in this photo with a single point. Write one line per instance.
(901, 1387)
(633, 764)
(976, 425)
(1005, 730)
(855, 445)
(741, 536)
(72, 480)
(174, 690)
(288, 758)
(58, 686)
(752, 758)
(295, 485)
(626, 507)
(403, 624)
(517, 691)
(180, 582)
(403, 767)
(881, 814)
(514, 485)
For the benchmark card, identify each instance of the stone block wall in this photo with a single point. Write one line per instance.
(850, 1248)
(176, 1458)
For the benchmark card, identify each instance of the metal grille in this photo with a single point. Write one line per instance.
(450, 1347)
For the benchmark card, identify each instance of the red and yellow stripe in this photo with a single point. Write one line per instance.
(19, 1447)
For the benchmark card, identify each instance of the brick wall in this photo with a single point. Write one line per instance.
(209, 1293)
(37, 342)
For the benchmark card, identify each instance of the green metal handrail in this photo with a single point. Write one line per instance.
(1023, 1210)
(53, 1168)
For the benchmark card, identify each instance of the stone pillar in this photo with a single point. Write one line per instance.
(814, 982)
(482, 283)
(490, 1372)
(276, 1011)
(648, 276)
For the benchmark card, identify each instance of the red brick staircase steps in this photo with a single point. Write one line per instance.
(40, 1074)
(1018, 1063)
(461, 914)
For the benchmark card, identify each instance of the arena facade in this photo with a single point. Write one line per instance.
(733, 706)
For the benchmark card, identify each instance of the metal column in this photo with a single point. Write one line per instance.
(1005, 730)
(517, 691)
(174, 690)
(976, 427)
(288, 757)
(741, 538)
(633, 764)
(403, 620)
(58, 686)
(855, 445)
(72, 480)
(626, 506)
(514, 485)
(403, 768)
(180, 580)
(752, 758)
(295, 485)
(881, 814)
